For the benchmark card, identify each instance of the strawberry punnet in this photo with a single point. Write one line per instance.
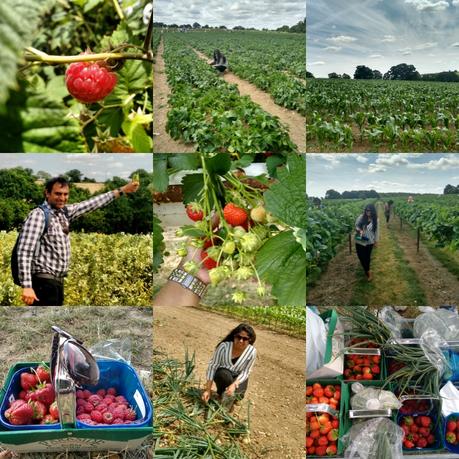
(89, 82)
(234, 215)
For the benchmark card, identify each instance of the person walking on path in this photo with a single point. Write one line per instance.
(43, 252)
(388, 209)
(230, 366)
(367, 234)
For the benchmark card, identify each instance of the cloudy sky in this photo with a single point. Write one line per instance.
(382, 33)
(270, 14)
(405, 172)
(97, 166)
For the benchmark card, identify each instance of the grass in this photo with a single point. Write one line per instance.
(26, 337)
(185, 427)
(394, 281)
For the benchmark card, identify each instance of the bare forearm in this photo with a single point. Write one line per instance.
(173, 294)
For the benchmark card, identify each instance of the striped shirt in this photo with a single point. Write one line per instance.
(368, 232)
(50, 253)
(222, 359)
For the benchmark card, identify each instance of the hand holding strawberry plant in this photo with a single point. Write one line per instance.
(82, 82)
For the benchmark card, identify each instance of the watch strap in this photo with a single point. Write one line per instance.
(188, 281)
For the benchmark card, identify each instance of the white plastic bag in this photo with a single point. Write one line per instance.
(316, 341)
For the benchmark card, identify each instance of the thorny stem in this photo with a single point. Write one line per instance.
(35, 55)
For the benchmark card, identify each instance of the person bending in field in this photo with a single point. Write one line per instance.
(388, 209)
(367, 234)
(230, 366)
(219, 61)
(44, 256)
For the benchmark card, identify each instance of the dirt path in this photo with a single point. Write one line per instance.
(294, 121)
(337, 282)
(276, 386)
(163, 143)
(440, 286)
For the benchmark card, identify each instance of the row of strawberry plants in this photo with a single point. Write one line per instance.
(326, 228)
(396, 115)
(210, 113)
(437, 217)
(273, 62)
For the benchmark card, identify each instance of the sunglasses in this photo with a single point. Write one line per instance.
(243, 338)
(65, 227)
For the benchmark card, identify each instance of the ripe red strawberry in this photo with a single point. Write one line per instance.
(48, 419)
(207, 261)
(42, 374)
(194, 211)
(451, 437)
(54, 410)
(39, 410)
(89, 82)
(425, 421)
(451, 426)
(19, 413)
(44, 393)
(28, 381)
(421, 443)
(234, 215)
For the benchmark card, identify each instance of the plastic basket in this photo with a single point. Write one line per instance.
(124, 438)
(449, 446)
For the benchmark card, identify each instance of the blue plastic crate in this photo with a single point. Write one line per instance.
(124, 379)
(11, 394)
(437, 431)
(449, 446)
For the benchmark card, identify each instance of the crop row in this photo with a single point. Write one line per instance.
(438, 218)
(392, 115)
(326, 229)
(274, 62)
(105, 270)
(210, 113)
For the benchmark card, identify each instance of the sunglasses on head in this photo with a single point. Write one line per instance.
(243, 338)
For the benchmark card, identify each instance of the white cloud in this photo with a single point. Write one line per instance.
(456, 44)
(422, 5)
(388, 39)
(376, 56)
(332, 159)
(342, 39)
(333, 48)
(405, 51)
(361, 159)
(444, 163)
(316, 63)
(427, 45)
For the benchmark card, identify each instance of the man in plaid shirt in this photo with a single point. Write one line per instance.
(43, 257)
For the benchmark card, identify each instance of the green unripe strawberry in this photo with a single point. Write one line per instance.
(238, 297)
(238, 232)
(191, 267)
(258, 214)
(198, 243)
(243, 273)
(249, 242)
(229, 247)
(182, 252)
(213, 252)
(179, 233)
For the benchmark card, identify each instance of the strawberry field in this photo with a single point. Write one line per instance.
(76, 76)
(242, 229)
(349, 115)
(105, 270)
(206, 111)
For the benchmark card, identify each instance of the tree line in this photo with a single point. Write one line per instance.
(21, 190)
(371, 194)
(397, 72)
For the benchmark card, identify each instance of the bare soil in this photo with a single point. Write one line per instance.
(276, 385)
(440, 286)
(163, 142)
(295, 123)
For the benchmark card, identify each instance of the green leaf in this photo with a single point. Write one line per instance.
(243, 161)
(287, 198)
(190, 161)
(281, 262)
(90, 4)
(141, 142)
(193, 185)
(18, 25)
(158, 244)
(219, 164)
(112, 117)
(160, 176)
(272, 163)
(192, 231)
(56, 88)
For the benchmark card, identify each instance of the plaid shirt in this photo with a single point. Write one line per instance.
(222, 359)
(50, 253)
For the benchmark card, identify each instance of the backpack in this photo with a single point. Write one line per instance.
(14, 253)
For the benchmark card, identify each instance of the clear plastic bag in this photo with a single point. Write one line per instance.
(398, 325)
(378, 438)
(316, 341)
(371, 398)
(113, 349)
(444, 321)
(431, 343)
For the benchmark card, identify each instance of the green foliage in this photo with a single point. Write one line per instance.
(106, 270)
(158, 244)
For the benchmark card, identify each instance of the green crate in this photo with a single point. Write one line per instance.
(342, 410)
(382, 374)
(36, 441)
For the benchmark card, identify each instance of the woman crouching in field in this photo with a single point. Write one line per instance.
(230, 365)
(367, 234)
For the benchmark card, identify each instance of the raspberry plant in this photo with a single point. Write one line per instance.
(247, 228)
(80, 49)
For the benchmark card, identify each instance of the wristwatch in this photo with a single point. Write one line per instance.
(188, 281)
(121, 192)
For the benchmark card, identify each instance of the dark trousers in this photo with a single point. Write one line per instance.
(224, 378)
(49, 292)
(364, 254)
(387, 217)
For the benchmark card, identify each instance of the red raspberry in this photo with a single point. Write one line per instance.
(89, 82)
